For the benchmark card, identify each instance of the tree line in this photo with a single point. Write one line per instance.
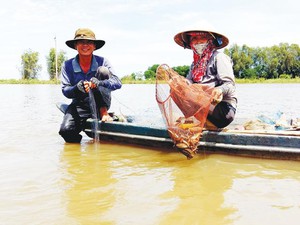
(30, 68)
(278, 61)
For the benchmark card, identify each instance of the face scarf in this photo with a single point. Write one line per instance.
(202, 53)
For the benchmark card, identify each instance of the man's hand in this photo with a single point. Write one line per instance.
(95, 83)
(83, 86)
(86, 86)
(217, 96)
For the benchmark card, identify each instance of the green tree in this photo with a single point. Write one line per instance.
(259, 58)
(150, 73)
(289, 59)
(30, 67)
(51, 63)
(295, 70)
(242, 59)
(266, 62)
(273, 62)
(234, 54)
(182, 70)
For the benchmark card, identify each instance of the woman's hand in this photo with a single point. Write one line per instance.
(217, 96)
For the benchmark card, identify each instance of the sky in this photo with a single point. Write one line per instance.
(138, 33)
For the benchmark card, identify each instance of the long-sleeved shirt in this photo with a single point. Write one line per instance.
(71, 74)
(219, 74)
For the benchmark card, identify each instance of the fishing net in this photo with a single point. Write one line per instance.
(184, 108)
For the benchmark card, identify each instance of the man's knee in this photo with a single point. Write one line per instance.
(70, 135)
(69, 130)
(103, 73)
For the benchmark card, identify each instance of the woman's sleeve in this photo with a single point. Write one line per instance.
(225, 74)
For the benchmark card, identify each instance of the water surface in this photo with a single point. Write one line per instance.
(45, 181)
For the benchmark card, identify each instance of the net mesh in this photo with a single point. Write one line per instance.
(184, 108)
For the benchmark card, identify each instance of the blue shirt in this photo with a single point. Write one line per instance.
(71, 74)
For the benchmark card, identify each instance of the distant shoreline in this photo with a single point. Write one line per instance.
(238, 81)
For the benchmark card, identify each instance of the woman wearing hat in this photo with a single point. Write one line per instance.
(214, 68)
(84, 73)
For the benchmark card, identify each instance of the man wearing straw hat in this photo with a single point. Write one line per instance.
(80, 75)
(213, 68)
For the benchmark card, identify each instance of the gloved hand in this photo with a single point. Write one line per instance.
(95, 83)
(83, 86)
(80, 86)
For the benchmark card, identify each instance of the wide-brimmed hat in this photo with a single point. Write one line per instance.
(85, 34)
(183, 38)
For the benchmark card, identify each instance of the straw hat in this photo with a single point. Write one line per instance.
(183, 38)
(85, 34)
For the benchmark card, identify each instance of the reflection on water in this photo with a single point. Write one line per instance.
(45, 181)
(130, 185)
(267, 195)
(115, 184)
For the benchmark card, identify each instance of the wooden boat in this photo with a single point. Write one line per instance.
(255, 143)
(259, 143)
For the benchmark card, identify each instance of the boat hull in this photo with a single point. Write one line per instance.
(262, 144)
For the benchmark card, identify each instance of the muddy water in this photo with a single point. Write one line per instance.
(45, 181)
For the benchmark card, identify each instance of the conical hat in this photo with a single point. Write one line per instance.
(183, 39)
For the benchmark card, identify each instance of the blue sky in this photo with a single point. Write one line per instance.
(139, 33)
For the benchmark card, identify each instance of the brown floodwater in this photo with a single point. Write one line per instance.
(45, 181)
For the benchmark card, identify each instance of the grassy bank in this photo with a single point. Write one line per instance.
(239, 81)
(33, 81)
(268, 81)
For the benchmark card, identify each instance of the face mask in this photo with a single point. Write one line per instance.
(199, 48)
